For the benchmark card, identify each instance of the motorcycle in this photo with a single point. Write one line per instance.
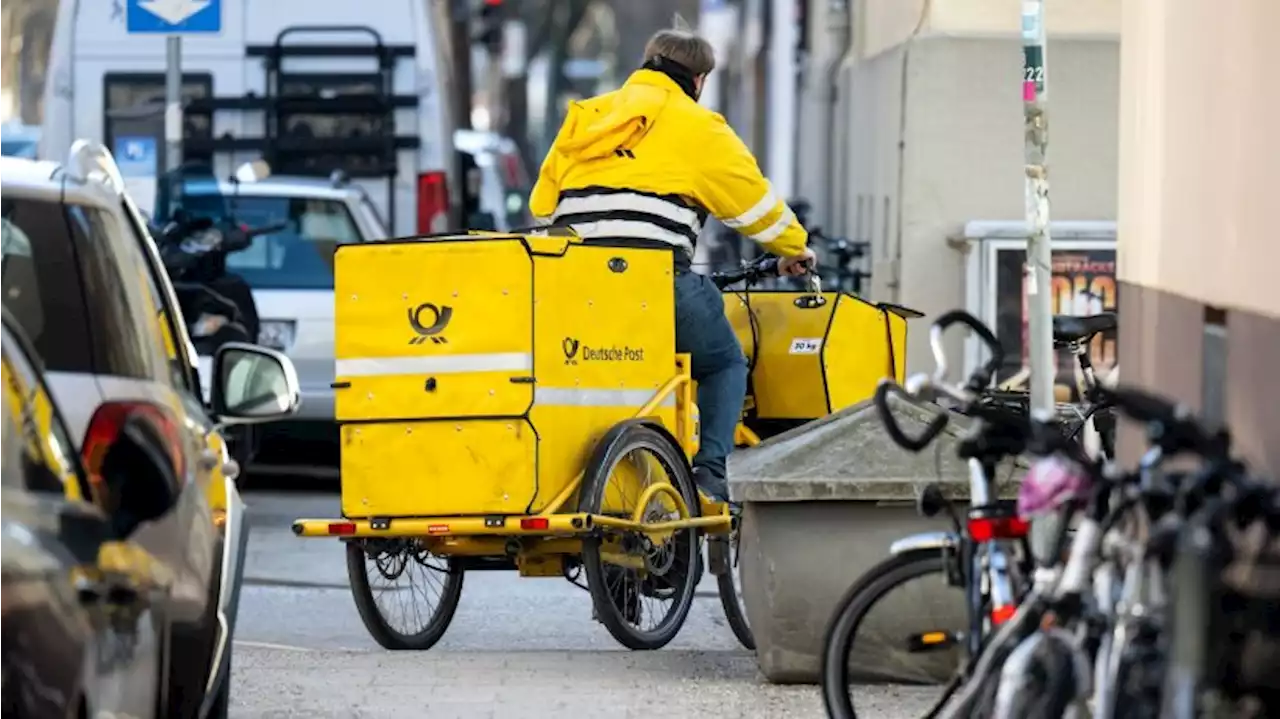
(195, 229)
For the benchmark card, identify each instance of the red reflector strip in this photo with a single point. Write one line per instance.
(342, 528)
(985, 529)
(1000, 615)
(535, 523)
(438, 529)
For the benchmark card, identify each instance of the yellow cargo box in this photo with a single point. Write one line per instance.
(460, 394)
(814, 359)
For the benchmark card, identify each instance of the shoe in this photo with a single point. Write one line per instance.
(717, 488)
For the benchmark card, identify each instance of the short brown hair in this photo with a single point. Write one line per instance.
(683, 47)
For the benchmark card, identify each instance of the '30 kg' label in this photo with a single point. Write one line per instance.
(805, 346)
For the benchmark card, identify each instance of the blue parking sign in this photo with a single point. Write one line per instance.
(174, 17)
(136, 156)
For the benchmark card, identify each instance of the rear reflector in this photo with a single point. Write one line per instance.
(1000, 615)
(985, 529)
(535, 523)
(342, 528)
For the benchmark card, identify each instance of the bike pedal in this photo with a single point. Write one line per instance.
(931, 642)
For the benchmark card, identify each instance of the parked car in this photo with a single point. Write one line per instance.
(290, 273)
(83, 280)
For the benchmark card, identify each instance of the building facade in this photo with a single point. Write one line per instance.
(1197, 186)
(926, 134)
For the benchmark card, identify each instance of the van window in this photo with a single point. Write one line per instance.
(355, 126)
(299, 257)
(134, 106)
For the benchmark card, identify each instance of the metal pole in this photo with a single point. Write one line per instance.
(781, 146)
(1038, 278)
(173, 102)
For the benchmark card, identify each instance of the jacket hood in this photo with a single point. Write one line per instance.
(635, 108)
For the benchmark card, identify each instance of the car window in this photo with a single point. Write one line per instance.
(123, 346)
(63, 282)
(299, 256)
(165, 316)
(40, 283)
(45, 450)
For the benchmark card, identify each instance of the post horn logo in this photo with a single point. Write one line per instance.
(440, 317)
(570, 347)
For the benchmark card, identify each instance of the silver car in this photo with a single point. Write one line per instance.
(291, 273)
(83, 283)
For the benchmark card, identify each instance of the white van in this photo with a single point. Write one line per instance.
(310, 87)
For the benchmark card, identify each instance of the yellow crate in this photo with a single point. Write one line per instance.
(475, 374)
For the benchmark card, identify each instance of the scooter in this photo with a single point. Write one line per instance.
(194, 239)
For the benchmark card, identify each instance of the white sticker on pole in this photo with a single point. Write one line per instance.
(1031, 10)
(806, 345)
(173, 122)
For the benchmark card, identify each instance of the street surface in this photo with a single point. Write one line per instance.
(516, 648)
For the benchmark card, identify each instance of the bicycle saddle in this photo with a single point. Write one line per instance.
(1069, 328)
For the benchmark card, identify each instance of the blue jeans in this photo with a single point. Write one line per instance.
(720, 369)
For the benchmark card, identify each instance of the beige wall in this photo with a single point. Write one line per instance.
(962, 155)
(1198, 169)
(887, 23)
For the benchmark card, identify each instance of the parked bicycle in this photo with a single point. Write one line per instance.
(986, 557)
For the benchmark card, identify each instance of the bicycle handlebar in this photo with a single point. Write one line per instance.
(983, 375)
(758, 269)
(931, 431)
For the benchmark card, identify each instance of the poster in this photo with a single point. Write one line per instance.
(1084, 283)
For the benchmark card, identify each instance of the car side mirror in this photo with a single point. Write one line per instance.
(252, 384)
(140, 481)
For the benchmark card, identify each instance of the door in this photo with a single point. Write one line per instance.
(84, 588)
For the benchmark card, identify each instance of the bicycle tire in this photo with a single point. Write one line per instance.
(871, 587)
(734, 612)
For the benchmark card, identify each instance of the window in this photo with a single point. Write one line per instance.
(299, 256)
(41, 285)
(63, 282)
(361, 126)
(46, 455)
(167, 328)
(134, 106)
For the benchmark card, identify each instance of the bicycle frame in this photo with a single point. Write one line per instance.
(984, 565)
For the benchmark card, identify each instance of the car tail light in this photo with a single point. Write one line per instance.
(433, 202)
(986, 529)
(534, 523)
(105, 427)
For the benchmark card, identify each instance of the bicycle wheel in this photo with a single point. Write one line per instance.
(850, 613)
(729, 585)
(427, 575)
(641, 585)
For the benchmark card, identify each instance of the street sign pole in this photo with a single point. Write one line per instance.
(1038, 279)
(173, 19)
(173, 102)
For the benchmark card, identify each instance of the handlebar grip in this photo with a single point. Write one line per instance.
(1142, 406)
(983, 332)
(890, 422)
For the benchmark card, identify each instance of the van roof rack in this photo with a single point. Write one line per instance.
(289, 146)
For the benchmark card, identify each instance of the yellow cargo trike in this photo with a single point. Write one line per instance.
(515, 401)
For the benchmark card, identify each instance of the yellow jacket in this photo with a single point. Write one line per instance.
(648, 160)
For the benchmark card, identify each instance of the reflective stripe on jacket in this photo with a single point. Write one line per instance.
(647, 161)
